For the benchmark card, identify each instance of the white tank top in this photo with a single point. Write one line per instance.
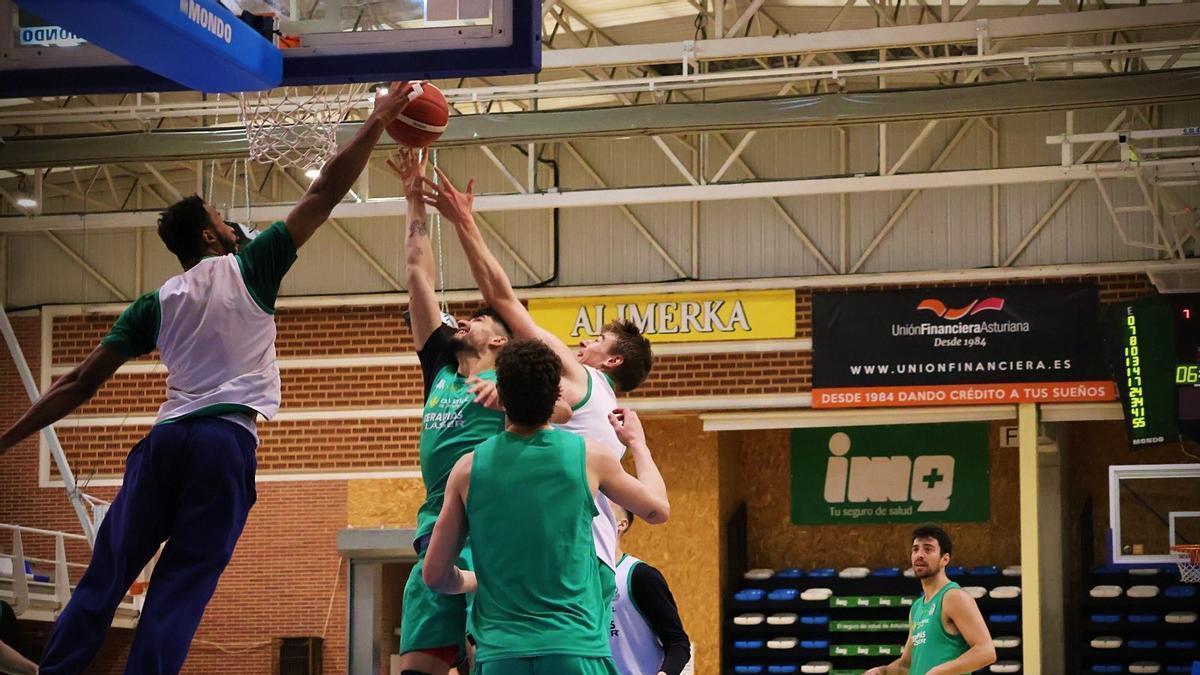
(589, 418)
(217, 344)
(636, 649)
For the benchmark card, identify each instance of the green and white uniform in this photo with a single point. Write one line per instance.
(214, 328)
(452, 424)
(540, 603)
(931, 644)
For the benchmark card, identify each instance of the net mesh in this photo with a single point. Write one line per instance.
(296, 127)
(1189, 563)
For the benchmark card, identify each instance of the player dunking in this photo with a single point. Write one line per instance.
(947, 635)
(619, 359)
(453, 362)
(190, 481)
(527, 498)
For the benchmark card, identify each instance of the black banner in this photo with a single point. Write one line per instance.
(954, 345)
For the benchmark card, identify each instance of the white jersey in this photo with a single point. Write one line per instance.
(589, 418)
(218, 345)
(635, 648)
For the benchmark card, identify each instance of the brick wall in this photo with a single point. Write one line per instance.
(283, 573)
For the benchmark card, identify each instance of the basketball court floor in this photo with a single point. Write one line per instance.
(899, 262)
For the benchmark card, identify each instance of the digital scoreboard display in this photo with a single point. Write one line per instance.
(1154, 349)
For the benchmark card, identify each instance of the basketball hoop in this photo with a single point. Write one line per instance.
(295, 128)
(1189, 562)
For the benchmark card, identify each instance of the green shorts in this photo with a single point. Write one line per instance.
(429, 619)
(549, 665)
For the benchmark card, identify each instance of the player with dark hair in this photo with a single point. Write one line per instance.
(457, 366)
(619, 359)
(190, 481)
(527, 499)
(646, 636)
(947, 634)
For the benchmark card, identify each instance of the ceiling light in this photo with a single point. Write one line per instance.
(26, 202)
(312, 174)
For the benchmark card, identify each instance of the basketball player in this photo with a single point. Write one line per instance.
(619, 359)
(647, 635)
(190, 481)
(454, 364)
(947, 635)
(527, 497)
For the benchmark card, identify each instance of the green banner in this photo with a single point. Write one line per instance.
(870, 601)
(890, 474)
(866, 650)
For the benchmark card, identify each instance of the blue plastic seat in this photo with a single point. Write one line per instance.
(787, 668)
(1109, 570)
(985, 570)
(814, 644)
(1142, 644)
(748, 669)
(783, 594)
(822, 573)
(748, 644)
(749, 595)
(815, 619)
(1180, 591)
(1181, 644)
(886, 572)
(1178, 668)
(1003, 618)
(955, 571)
(1143, 618)
(1105, 618)
(789, 573)
(1106, 668)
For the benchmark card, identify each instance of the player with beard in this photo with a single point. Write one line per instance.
(947, 635)
(456, 365)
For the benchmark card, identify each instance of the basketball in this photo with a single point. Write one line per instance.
(423, 121)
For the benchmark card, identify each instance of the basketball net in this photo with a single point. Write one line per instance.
(294, 127)
(1189, 562)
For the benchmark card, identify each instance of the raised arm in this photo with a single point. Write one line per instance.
(645, 495)
(962, 611)
(65, 395)
(419, 265)
(449, 533)
(493, 282)
(339, 174)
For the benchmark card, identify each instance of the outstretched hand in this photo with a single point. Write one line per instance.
(409, 164)
(628, 427)
(447, 199)
(388, 106)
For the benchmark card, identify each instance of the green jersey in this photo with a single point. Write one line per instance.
(931, 644)
(530, 511)
(452, 424)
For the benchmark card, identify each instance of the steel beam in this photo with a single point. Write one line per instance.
(674, 159)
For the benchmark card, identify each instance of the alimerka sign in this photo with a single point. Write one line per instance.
(673, 317)
(959, 346)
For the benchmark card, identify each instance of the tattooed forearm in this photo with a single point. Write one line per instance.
(418, 228)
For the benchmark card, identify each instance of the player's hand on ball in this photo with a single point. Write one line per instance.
(448, 200)
(629, 430)
(391, 104)
(486, 393)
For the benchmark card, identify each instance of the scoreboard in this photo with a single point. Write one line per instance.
(1154, 348)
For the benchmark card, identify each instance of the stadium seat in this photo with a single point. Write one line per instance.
(816, 594)
(1109, 571)
(782, 643)
(1107, 642)
(816, 667)
(984, 570)
(1143, 644)
(1143, 572)
(1105, 591)
(748, 619)
(1106, 668)
(976, 592)
(787, 668)
(1143, 618)
(783, 595)
(1181, 617)
(815, 620)
(822, 573)
(1012, 571)
(748, 669)
(790, 573)
(1005, 667)
(953, 571)
(910, 573)
(886, 572)
(854, 573)
(1145, 667)
(1007, 642)
(1003, 618)
(1143, 591)
(1181, 644)
(1005, 592)
(748, 644)
(785, 619)
(749, 595)
(815, 644)
(1105, 618)
(1179, 668)
(1180, 591)
(759, 574)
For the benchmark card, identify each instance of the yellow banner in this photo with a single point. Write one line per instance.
(673, 317)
